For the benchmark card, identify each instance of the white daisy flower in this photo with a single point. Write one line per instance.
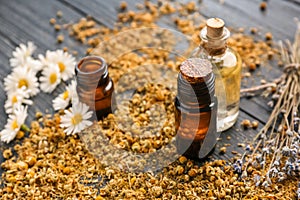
(21, 54)
(32, 64)
(63, 100)
(76, 119)
(21, 77)
(50, 78)
(14, 123)
(46, 59)
(16, 98)
(65, 61)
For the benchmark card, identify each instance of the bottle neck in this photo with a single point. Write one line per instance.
(214, 46)
(91, 72)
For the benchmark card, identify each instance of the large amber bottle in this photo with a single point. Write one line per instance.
(228, 70)
(195, 108)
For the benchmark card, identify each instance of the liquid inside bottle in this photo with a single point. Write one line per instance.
(229, 66)
(192, 127)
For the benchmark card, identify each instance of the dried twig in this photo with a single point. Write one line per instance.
(276, 151)
(258, 88)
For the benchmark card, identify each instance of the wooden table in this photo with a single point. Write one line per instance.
(22, 21)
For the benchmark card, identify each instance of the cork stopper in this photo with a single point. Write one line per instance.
(196, 82)
(196, 70)
(215, 27)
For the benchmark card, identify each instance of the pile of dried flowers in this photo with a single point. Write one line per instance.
(51, 165)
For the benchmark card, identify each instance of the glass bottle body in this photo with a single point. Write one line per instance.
(191, 125)
(94, 86)
(195, 108)
(227, 69)
(104, 98)
(229, 66)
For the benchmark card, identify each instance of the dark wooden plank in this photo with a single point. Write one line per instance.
(103, 12)
(29, 21)
(232, 137)
(257, 105)
(297, 2)
(23, 21)
(278, 17)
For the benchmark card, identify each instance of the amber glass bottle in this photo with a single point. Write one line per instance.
(229, 65)
(94, 86)
(193, 105)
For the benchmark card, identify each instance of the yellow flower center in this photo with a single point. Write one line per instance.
(61, 66)
(14, 99)
(52, 78)
(76, 119)
(65, 95)
(23, 82)
(14, 125)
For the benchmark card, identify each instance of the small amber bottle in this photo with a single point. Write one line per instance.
(229, 65)
(194, 104)
(94, 86)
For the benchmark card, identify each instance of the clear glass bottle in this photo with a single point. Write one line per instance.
(94, 86)
(194, 105)
(228, 70)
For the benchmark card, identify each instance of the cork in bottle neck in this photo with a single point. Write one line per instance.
(196, 70)
(214, 36)
(215, 27)
(196, 82)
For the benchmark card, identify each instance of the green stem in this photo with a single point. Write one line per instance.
(25, 128)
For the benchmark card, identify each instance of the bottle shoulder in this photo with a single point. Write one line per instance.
(229, 59)
(235, 53)
(229, 63)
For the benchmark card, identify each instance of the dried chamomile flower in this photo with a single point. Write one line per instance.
(60, 38)
(59, 13)
(123, 5)
(52, 21)
(246, 123)
(263, 6)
